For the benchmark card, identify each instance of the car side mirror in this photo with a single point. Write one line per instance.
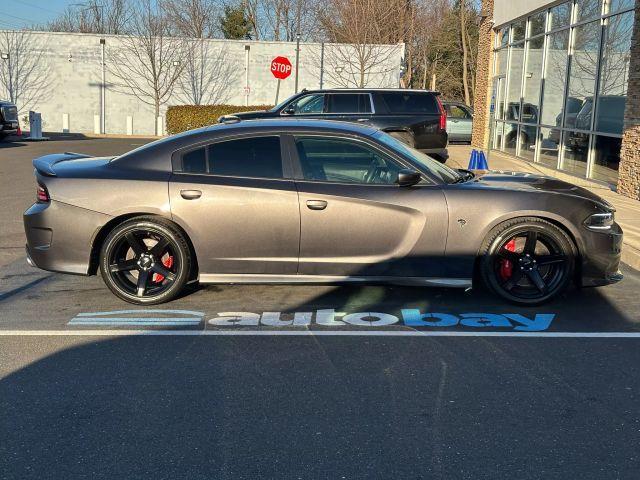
(407, 177)
(289, 111)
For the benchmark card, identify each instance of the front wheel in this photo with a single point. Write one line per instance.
(527, 260)
(145, 261)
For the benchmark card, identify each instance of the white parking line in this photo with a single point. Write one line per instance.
(320, 333)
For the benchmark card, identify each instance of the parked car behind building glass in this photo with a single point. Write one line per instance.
(459, 121)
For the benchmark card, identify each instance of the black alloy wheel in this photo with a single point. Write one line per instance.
(145, 261)
(528, 261)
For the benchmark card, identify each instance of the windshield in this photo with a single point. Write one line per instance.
(283, 103)
(422, 161)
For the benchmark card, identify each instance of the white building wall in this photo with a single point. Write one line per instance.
(73, 62)
(506, 10)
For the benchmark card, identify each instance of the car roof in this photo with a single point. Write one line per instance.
(366, 90)
(294, 123)
(149, 152)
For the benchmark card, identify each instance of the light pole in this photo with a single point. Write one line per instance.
(321, 64)
(103, 88)
(297, 58)
(6, 58)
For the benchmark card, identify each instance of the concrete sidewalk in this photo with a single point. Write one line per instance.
(627, 210)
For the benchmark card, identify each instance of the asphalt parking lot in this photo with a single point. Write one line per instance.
(305, 382)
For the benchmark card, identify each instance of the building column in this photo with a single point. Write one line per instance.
(629, 172)
(484, 73)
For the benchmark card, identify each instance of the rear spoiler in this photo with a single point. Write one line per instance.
(44, 165)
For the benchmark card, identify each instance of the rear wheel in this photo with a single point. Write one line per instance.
(145, 261)
(528, 260)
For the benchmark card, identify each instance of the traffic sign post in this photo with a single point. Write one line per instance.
(281, 69)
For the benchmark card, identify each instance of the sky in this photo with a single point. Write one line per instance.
(21, 13)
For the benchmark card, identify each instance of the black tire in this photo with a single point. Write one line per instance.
(527, 260)
(146, 261)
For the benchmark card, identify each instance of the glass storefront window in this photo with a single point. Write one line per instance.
(614, 73)
(497, 136)
(515, 82)
(532, 81)
(500, 92)
(560, 16)
(561, 86)
(576, 153)
(527, 139)
(510, 138)
(617, 5)
(537, 23)
(501, 61)
(582, 75)
(503, 37)
(549, 147)
(588, 9)
(518, 30)
(607, 159)
(556, 71)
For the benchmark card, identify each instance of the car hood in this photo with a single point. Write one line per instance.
(528, 182)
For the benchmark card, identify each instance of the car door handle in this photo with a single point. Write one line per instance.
(190, 194)
(316, 204)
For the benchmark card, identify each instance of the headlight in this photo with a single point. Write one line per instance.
(599, 221)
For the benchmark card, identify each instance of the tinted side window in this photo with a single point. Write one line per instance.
(406, 102)
(349, 103)
(339, 160)
(194, 161)
(247, 157)
(307, 105)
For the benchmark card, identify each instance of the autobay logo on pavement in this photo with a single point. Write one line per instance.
(409, 317)
(139, 318)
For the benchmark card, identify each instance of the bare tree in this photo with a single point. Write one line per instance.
(94, 16)
(286, 18)
(25, 76)
(462, 14)
(445, 47)
(254, 10)
(193, 18)
(208, 74)
(356, 28)
(147, 64)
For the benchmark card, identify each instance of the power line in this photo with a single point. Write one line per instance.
(11, 25)
(19, 18)
(38, 7)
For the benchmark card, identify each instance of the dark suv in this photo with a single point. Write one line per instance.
(415, 117)
(8, 119)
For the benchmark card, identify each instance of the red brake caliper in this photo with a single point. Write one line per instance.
(168, 262)
(506, 267)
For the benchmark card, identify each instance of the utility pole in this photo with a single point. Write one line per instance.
(297, 58)
(103, 88)
(321, 64)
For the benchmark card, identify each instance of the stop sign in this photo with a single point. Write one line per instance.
(281, 67)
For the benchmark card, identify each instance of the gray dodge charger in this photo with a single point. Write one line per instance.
(294, 201)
